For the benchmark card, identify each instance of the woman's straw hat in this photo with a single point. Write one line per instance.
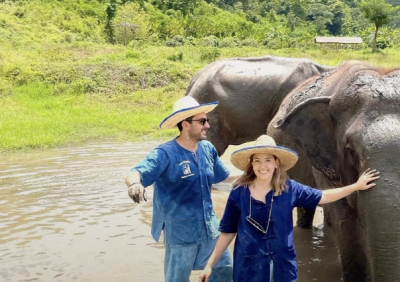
(264, 145)
(184, 108)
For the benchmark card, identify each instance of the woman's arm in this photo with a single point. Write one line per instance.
(223, 242)
(363, 183)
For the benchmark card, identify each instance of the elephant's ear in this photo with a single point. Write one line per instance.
(311, 127)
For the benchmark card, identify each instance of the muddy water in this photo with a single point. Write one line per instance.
(65, 216)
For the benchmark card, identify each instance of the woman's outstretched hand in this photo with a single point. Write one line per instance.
(205, 275)
(366, 179)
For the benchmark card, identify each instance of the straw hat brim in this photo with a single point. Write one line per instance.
(173, 119)
(287, 157)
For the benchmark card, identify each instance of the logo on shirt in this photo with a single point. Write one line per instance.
(186, 169)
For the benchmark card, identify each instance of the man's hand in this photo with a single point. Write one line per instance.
(137, 192)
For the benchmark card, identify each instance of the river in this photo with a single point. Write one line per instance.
(65, 216)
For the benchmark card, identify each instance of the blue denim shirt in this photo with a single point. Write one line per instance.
(182, 205)
(254, 250)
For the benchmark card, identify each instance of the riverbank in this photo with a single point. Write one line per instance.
(61, 95)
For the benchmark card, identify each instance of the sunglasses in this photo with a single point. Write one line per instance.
(255, 223)
(202, 120)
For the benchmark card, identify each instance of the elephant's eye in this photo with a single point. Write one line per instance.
(350, 154)
(351, 164)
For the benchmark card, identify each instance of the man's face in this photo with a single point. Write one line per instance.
(198, 130)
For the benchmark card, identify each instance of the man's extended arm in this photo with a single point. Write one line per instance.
(232, 177)
(136, 190)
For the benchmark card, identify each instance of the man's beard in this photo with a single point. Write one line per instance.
(198, 137)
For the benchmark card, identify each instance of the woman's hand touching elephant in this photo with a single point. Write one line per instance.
(364, 182)
(137, 192)
(366, 179)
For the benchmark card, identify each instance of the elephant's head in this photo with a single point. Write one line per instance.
(352, 124)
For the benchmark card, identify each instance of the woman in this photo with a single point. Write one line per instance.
(259, 213)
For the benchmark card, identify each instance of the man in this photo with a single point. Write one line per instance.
(183, 171)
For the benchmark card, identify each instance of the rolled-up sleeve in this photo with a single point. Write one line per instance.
(151, 167)
(305, 196)
(230, 219)
(221, 172)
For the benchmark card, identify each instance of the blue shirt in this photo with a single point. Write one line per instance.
(254, 250)
(182, 205)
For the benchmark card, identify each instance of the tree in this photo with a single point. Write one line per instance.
(299, 8)
(377, 12)
(111, 11)
(185, 6)
(338, 8)
(321, 15)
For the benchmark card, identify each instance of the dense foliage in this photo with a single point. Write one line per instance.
(66, 76)
(275, 23)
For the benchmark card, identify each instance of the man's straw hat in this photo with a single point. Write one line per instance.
(184, 108)
(264, 145)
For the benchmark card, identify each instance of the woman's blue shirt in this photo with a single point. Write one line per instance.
(254, 250)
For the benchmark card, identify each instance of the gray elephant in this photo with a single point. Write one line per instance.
(250, 91)
(341, 124)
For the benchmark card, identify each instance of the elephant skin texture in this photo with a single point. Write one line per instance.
(341, 124)
(250, 91)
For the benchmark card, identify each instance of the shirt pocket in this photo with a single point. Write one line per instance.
(183, 231)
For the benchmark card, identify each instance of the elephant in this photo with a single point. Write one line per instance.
(250, 91)
(342, 123)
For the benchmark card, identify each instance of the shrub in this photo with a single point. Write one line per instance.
(132, 54)
(177, 40)
(210, 41)
(209, 54)
(176, 57)
(139, 22)
(6, 88)
(190, 40)
(249, 42)
(229, 42)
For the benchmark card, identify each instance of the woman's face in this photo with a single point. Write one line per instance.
(264, 165)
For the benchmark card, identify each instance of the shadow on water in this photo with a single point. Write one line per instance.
(65, 216)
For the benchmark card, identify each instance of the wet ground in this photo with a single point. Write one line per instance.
(65, 216)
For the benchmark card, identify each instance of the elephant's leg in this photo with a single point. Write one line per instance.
(218, 140)
(349, 238)
(305, 218)
(218, 133)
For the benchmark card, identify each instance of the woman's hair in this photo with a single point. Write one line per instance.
(278, 179)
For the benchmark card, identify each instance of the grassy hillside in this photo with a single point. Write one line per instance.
(61, 82)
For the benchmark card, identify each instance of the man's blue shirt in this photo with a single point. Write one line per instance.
(254, 250)
(182, 205)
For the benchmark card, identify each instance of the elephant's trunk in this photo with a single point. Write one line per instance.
(379, 214)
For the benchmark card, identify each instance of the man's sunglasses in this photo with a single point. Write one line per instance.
(202, 120)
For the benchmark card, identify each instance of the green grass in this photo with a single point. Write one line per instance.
(58, 95)
(62, 84)
(33, 118)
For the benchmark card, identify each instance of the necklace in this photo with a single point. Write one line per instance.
(254, 222)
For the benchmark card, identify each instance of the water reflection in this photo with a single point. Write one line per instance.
(65, 216)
